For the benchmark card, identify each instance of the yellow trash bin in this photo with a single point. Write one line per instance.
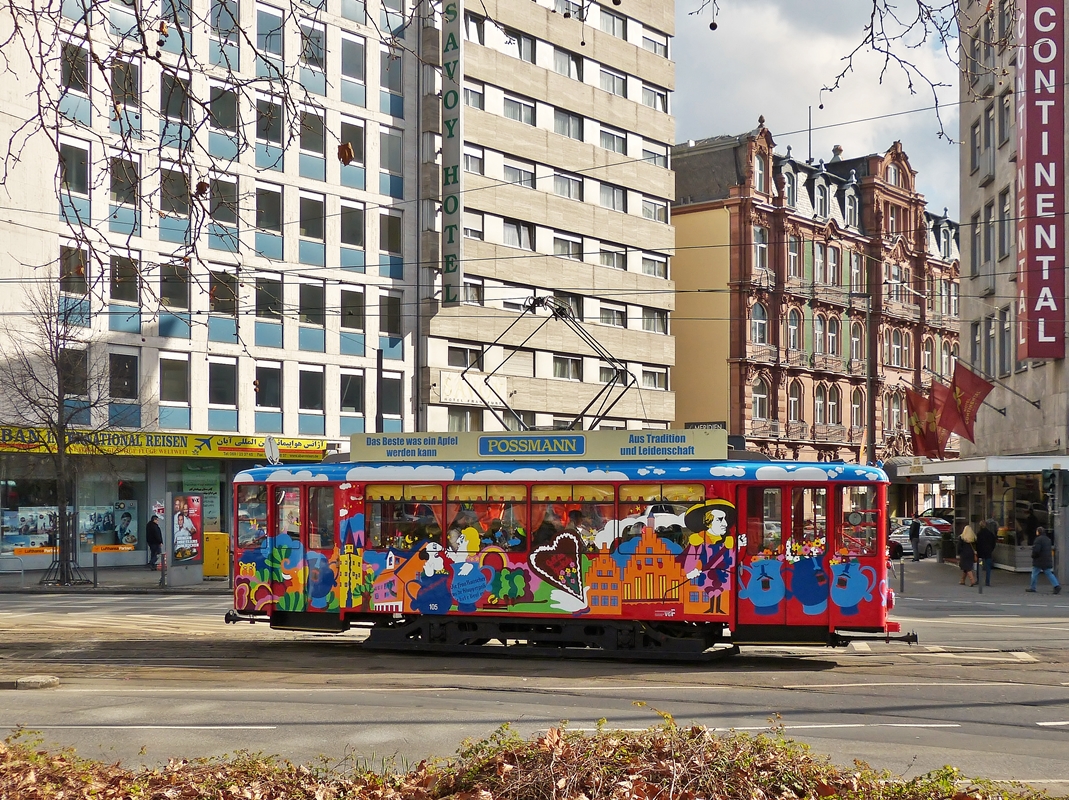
(216, 554)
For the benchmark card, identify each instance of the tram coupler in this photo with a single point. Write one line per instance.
(233, 617)
(843, 639)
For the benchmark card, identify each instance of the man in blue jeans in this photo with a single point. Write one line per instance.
(1043, 561)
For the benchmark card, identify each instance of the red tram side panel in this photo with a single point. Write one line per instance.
(730, 553)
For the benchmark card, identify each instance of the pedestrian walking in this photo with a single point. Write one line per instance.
(154, 538)
(915, 538)
(985, 548)
(967, 555)
(1043, 561)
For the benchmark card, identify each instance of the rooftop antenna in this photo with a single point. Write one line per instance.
(810, 159)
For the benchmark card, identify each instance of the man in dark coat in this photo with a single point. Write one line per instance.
(985, 547)
(1043, 561)
(154, 538)
(915, 538)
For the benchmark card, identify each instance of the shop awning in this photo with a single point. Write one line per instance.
(910, 469)
(990, 465)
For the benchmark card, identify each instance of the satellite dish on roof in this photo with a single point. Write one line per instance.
(271, 450)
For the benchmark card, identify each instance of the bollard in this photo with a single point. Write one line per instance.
(163, 568)
(94, 570)
(901, 576)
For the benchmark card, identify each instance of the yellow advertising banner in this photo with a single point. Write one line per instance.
(33, 551)
(179, 445)
(541, 446)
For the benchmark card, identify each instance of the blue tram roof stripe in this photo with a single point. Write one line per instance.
(572, 471)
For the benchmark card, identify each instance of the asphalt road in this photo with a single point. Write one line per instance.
(147, 678)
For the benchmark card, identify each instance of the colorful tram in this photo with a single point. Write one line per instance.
(624, 558)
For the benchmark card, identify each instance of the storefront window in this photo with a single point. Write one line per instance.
(204, 477)
(111, 502)
(30, 513)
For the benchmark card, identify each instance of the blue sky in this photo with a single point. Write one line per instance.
(772, 57)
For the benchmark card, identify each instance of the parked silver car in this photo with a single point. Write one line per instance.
(929, 542)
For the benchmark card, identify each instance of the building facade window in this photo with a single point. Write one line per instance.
(758, 324)
(759, 399)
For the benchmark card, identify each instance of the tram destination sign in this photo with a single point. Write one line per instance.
(541, 446)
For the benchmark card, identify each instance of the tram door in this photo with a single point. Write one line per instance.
(287, 560)
(319, 548)
(807, 557)
(762, 589)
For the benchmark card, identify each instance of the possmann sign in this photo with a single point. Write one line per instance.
(1040, 96)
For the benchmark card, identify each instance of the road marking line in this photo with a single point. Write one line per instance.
(969, 657)
(150, 727)
(814, 726)
(1025, 657)
(935, 649)
(1052, 724)
(902, 683)
(863, 647)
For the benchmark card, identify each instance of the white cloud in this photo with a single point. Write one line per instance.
(550, 473)
(773, 57)
(800, 474)
(730, 472)
(400, 473)
(300, 475)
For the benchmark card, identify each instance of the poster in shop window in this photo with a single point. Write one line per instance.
(187, 537)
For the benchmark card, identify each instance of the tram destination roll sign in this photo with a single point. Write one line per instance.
(1040, 97)
(452, 152)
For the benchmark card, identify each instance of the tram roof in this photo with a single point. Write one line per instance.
(572, 471)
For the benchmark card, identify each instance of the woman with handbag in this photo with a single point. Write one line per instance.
(967, 555)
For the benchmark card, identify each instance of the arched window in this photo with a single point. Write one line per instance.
(944, 361)
(929, 355)
(820, 399)
(857, 409)
(851, 210)
(833, 336)
(857, 337)
(759, 399)
(954, 356)
(892, 174)
(758, 324)
(907, 350)
(822, 201)
(835, 272)
(794, 330)
(791, 187)
(835, 403)
(818, 334)
(896, 412)
(896, 349)
(819, 275)
(794, 402)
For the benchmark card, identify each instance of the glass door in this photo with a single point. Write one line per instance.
(762, 586)
(807, 555)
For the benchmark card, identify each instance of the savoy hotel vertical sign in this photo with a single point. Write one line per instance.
(1040, 96)
(452, 152)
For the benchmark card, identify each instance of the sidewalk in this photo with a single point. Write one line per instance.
(110, 580)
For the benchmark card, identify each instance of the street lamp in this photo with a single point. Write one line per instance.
(870, 376)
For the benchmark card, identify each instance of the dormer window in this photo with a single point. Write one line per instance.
(892, 174)
(759, 173)
(822, 201)
(791, 188)
(851, 210)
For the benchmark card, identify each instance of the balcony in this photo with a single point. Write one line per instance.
(829, 433)
(856, 366)
(763, 279)
(762, 353)
(896, 308)
(798, 358)
(798, 285)
(797, 430)
(831, 294)
(828, 363)
(764, 428)
(857, 434)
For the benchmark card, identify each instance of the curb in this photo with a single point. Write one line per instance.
(31, 682)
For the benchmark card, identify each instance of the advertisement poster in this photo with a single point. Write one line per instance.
(96, 525)
(33, 526)
(125, 515)
(203, 479)
(187, 536)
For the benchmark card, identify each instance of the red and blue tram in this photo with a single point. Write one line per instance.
(621, 558)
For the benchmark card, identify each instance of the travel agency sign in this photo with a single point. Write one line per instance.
(1040, 97)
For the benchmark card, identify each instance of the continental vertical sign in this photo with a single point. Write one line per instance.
(452, 152)
(179, 445)
(548, 446)
(1040, 96)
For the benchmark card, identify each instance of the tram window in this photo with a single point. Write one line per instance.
(667, 504)
(764, 519)
(483, 516)
(809, 520)
(582, 509)
(321, 518)
(860, 520)
(252, 515)
(288, 511)
(402, 526)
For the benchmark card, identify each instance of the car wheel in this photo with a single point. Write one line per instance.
(928, 551)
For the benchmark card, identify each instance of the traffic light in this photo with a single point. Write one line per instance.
(1050, 482)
